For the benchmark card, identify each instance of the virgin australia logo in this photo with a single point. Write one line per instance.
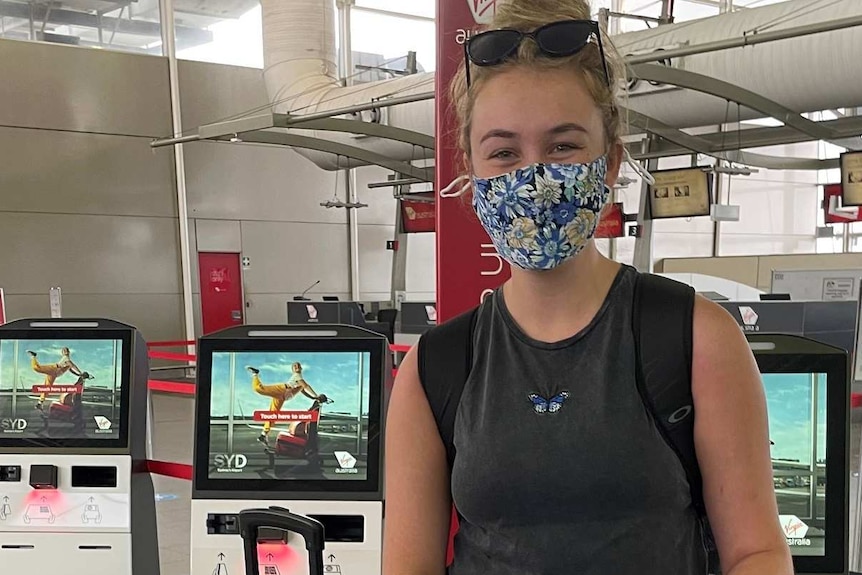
(484, 10)
(749, 318)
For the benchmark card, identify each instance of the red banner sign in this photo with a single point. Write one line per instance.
(612, 223)
(287, 416)
(472, 267)
(418, 217)
(2, 307)
(835, 214)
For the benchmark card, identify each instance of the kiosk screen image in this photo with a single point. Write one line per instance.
(61, 389)
(796, 404)
(289, 415)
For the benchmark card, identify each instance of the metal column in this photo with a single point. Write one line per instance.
(643, 259)
(169, 48)
(346, 59)
(399, 256)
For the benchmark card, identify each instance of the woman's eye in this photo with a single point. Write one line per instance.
(565, 148)
(503, 155)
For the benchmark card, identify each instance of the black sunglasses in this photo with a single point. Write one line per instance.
(556, 40)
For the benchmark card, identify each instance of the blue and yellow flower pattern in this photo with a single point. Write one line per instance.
(543, 214)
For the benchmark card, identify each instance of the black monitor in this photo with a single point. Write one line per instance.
(295, 411)
(807, 394)
(418, 317)
(68, 384)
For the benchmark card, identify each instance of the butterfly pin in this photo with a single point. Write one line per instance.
(553, 405)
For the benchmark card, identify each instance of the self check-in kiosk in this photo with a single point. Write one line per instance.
(289, 416)
(806, 384)
(75, 496)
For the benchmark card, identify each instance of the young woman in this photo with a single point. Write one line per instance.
(279, 393)
(587, 486)
(52, 371)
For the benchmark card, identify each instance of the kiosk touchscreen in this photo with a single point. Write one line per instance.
(73, 398)
(289, 417)
(807, 394)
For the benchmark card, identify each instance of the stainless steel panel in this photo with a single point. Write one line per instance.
(214, 92)
(375, 261)
(75, 173)
(246, 182)
(218, 236)
(157, 316)
(82, 89)
(287, 258)
(89, 254)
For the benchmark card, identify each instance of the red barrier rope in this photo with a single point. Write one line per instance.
(172, 387)
(400, 348)
(172, 356)
(170, 343)
(176, 470)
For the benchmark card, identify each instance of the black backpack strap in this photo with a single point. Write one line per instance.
(445, 358)
(662, 318)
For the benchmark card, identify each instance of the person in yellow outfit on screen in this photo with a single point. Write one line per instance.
(52, 371)
(280, 393)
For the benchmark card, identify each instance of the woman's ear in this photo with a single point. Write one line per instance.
(615, 160)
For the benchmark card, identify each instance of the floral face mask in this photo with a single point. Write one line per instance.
(540, 216)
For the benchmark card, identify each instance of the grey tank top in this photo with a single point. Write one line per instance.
(559, 467)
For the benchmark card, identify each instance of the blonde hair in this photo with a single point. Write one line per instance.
(527, 15)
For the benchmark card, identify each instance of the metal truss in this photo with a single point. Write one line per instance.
(796, 128)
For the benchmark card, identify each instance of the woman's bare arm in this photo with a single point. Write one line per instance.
(418, 495)
(732, 438)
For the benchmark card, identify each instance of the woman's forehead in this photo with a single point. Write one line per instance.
(540, 99)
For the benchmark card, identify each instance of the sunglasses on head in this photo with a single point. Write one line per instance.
(555, 40)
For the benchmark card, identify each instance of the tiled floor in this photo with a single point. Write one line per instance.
(173, 431)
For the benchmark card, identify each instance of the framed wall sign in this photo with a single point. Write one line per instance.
(851, 178)
(680, 194)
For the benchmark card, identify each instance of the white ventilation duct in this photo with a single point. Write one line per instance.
(806, 74)
(301, 78)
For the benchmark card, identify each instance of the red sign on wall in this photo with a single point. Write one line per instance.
(835, 214)
(472, 267)
(418, 217)
(612, 223)
(2, 307)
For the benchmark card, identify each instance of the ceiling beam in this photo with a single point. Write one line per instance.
(731, 92)
(339, 150)
(850, 127)
(686, 144)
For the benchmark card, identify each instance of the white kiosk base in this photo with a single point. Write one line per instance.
(349, 550)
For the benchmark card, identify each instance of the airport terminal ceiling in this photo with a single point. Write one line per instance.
(699, 97)
(135, 26)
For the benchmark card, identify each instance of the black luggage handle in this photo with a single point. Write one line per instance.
(251, 520)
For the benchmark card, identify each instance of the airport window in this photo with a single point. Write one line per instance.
(232, 32)
(102, 24)
(405, 32)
